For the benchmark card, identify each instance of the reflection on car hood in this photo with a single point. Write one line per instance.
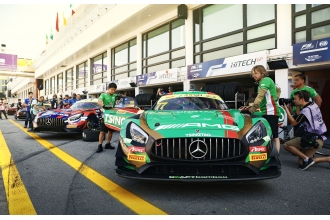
(187, 120)
(61, 113)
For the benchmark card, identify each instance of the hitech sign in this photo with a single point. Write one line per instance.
(311, 51)
(230, 65)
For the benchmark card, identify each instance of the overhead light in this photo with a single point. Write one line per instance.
(63, 65)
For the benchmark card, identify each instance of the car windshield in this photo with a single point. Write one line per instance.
(126, 102)
(190, 103)
(84, 105)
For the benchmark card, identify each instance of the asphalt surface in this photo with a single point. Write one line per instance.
(56, 188)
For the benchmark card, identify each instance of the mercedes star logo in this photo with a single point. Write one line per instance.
(48, 121)
(198, 149)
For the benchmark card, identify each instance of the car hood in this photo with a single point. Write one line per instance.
(184, 123)
(61, 113)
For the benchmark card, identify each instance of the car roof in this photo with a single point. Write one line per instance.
(88, 100)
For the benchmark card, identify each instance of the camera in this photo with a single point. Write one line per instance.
(283, 101)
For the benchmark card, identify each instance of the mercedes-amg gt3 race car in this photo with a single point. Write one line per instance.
(194, 136)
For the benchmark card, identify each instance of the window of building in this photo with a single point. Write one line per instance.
(81, 75)
(99, 69)
(52, 85)
(47, 87)
(60, 83)
(310, 22)
(124, 60)
(164, 47)
(69, 79)
(229, 30)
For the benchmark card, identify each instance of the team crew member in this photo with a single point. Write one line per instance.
(73, 99)
(27, 105)
(36, 107)
(299, 82)
(66, 102)
(266, 99)
(107, 100)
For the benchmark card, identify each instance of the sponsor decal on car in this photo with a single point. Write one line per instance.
(200, 125)
(137, 149)
(113, 119)
(256, 157)
(258, 149)
(199, 135)
(71, 126)
(198, 177)
(134, 157)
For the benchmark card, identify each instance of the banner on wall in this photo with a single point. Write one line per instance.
(170, 75)
(311, 51)
(123, 83)
(8, 62)
(224, 66)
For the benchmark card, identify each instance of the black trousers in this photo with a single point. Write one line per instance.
(3, 112)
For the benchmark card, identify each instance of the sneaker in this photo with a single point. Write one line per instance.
(24, 126)
(308, 164)
(108, 146)
(99, 148)
(30, 130)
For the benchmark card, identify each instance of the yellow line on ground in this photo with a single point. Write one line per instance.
(135, 203)
(19, 202)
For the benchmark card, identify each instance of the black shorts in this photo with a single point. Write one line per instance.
(273, 122)
(105, 128)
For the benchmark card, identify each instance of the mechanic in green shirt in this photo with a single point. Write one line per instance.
(299, 82)
(107, 100)
(266, 100)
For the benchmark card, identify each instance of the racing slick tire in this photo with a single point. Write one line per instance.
(145, 99)
(230, 90)
(220, 89)
(90, 135)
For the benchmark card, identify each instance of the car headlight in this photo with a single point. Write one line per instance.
(138, 134)
(256, 133)
(75, 117)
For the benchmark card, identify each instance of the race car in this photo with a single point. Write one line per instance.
(21, 113)
(195, 136)
(84, 114)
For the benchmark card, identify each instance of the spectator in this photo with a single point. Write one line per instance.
(78, 97)
(266, 100)
(310, 118)
(19, 104)
(54, 102)
(2, 110)
(36, 107)
(66, 102)
(170, 89)
(73, 99)
(27, 105)
(60, 103)
(107, 100)
(160, 93)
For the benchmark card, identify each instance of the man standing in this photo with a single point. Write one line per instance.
(66, 102)
(2, 110)
(78, 97)
(73, 99)
(299, 82)
(310, 118)
(27, 105)
(107, 101)
(36, 107)
(19, 104)
(54, 102)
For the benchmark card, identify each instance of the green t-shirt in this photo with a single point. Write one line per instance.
(108, 100)
(268, 105)
(311, 92)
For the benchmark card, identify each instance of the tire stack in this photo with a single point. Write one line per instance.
(226, 91)
(145, 99)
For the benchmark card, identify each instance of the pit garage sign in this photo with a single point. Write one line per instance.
(311, 51)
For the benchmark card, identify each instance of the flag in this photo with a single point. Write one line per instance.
(57, 23)
(72, 12)
(46, 39)
(51, 34)
(64, 20)
(70, 5)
